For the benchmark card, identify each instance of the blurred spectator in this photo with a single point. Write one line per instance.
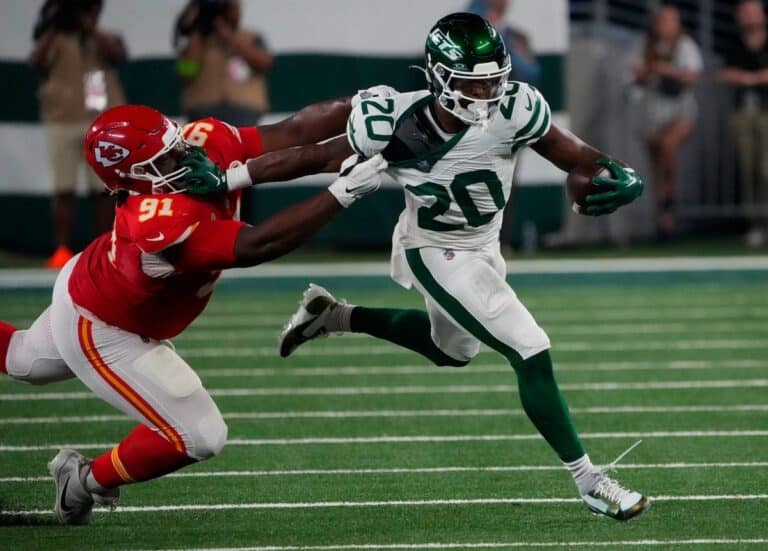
(746, 72)
(524, 65)
(75, 60)
(222, 65)
(666, 63)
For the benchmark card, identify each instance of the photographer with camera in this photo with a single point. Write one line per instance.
(222, 65)
(76, 62)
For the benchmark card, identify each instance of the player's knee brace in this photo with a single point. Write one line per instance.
(209, 437)
(199, 420)
(27, 364)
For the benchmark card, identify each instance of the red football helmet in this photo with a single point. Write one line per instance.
(126, 145)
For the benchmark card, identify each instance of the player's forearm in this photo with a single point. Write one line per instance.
(565, 150)
(323, 120)
(295, 162)
(314, 123)
(284, 231)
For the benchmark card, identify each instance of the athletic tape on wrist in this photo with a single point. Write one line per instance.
(238, 177)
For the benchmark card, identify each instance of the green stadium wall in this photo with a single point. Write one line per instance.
(313, 61)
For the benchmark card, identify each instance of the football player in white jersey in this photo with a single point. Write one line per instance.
(453, 149)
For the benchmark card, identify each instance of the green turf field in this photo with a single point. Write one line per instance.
(355, 444)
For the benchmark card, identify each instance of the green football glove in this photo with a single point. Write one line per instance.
(624, 187)
(204, 176)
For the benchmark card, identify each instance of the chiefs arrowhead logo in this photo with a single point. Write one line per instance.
(109, 154)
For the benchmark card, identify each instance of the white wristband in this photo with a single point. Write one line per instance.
(238, 177)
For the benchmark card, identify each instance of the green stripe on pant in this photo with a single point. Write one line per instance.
(456, 309)
(539, 394)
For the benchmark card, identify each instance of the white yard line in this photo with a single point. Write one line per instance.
(417, 470)
(496, 545)
(427, 439)
(416, 389)
(228, 335)
(273, 323)
(340, 348)
(472, 369)
(321, 371)
(28, 278)
(356, 414)
(394, 503)
(561, 320)
(719, 313)
(222, 305)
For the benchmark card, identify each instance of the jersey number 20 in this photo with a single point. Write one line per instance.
(459, 190)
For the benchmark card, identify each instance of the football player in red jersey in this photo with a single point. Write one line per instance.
(115, 305)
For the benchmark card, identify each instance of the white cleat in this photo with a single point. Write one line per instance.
(309, 321)
(74, 502)
(611, 499)
(608, 497)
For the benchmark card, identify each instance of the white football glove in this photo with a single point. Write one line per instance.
(379, 91)
(357, 178)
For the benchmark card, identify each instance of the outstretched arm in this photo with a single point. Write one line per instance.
(279, 234)
(295, 162)
(566, 151)
(314, 123)
(284, 231)
(205, 177)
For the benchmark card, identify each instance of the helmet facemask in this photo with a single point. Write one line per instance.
(448, 85)
(467, 66)
(151, 170)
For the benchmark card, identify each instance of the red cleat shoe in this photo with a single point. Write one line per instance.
(59, 257)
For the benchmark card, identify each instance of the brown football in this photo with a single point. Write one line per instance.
(579, 183)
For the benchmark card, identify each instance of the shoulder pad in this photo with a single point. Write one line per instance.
(373, 121)
(221, 141)
(525, 114)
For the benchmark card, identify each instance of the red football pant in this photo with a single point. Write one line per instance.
(6, 330)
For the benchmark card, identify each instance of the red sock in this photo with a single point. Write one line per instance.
(6, 330)
(142, 455)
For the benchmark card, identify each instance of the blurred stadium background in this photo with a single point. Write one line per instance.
(334, 49)
(366, 445)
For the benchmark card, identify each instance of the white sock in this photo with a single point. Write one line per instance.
(339, 317)
(92, 485)
(584, 473)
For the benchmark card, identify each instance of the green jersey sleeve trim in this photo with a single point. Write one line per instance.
(540, 131)
(521, 134)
